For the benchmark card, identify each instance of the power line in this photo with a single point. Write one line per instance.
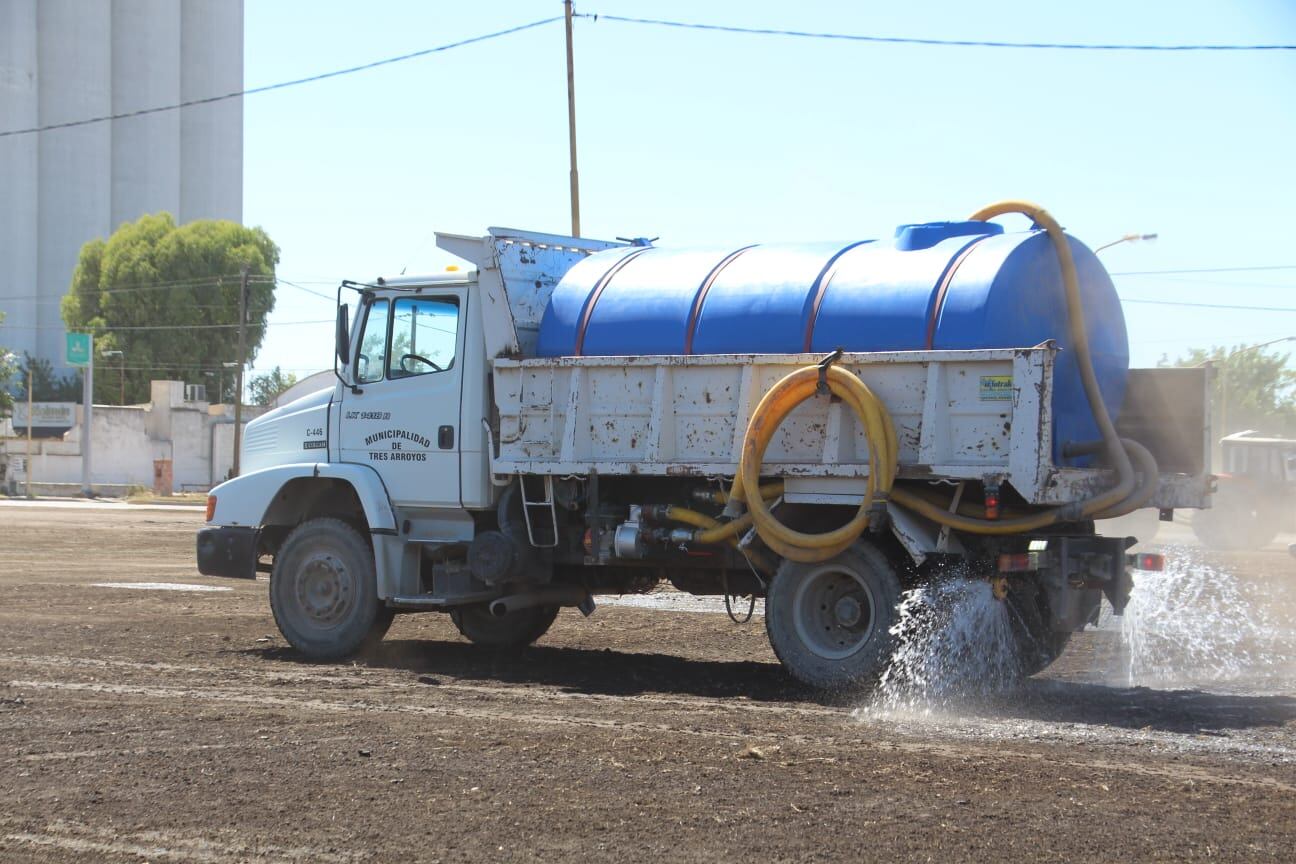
(329, 297)
(1205, 270)
(282, 84)
(1229, 306)
(197, 282)
(907, 40)
(113, 328)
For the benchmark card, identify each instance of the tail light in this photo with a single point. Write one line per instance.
(1146, 561)
(1023, 562)
(992, 502)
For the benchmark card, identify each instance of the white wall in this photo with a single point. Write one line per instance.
(127, 439)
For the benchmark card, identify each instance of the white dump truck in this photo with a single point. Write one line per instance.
(820, 425)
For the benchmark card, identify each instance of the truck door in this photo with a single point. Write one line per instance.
(404, 419)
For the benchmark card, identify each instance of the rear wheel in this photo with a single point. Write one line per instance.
(324, 593)
(829, 623)
(1037, 645)
(514, 630)
(1238, 519)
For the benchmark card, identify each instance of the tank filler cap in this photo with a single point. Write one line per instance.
(927, 234)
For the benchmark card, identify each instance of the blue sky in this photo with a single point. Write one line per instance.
(701, 137)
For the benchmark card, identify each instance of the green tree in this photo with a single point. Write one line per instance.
(1252, 389)
(264, 389)
(167, 297)
(7, 371)
(46, 386)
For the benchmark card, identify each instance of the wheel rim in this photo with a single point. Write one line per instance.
(833, 612)
(325, 589)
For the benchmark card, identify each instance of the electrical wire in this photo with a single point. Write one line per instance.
(1229, 306)
(1204, 270)
(908, 40)
(336, 73)
(113, 328)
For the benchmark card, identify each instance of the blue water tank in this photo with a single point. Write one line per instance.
(940, 285)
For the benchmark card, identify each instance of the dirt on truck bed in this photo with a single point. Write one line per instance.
(139, 722)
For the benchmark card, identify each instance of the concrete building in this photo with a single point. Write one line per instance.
(194, 440)
(69, 60)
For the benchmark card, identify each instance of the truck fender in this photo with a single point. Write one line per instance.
(247, 499)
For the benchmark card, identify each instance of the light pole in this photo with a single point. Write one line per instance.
(1128, 238)
(11, 358)
(121, 368)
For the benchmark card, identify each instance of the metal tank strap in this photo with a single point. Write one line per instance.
(695, 312)
(588, 312)
(820, 287)
(943, 288)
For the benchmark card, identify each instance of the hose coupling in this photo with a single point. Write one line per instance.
(878, 519)
(655, 512)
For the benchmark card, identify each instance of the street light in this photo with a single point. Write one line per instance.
(121, 357)
(10, 358)
(1128, 238)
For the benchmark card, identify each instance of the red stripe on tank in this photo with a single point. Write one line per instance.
(695, 312)
(943, 288)
(588, 312)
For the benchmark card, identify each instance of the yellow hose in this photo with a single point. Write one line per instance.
(884, 455)
(773, 408)
(1080, 345)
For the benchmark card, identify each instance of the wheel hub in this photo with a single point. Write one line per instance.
(324, 588)
(848, 611)
(833, 612)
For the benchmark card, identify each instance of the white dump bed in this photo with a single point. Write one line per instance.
(982, 415)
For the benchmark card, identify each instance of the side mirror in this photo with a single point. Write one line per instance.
(342, 337)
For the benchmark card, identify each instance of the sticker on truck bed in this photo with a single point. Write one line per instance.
(996, 388)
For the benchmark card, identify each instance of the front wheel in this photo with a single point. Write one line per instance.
(324, 592)
(830, 623)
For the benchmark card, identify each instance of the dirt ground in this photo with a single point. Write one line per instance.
(148, 724)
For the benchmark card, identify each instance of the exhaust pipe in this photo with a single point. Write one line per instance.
(549, 595)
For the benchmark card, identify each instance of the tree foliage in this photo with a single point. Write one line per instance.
(1252, 390)
(264, 389)
(45, 385)
(167, 297)
(6, 377)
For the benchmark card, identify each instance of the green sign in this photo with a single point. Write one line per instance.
(78, 349)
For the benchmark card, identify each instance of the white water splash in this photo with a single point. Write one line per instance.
(953, 640)
(1191, 624)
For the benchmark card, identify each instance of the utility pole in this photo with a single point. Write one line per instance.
(571, 123)
(87, 421)
(242, 361)
(30, 417)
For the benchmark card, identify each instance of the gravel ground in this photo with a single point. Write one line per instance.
(138, 723)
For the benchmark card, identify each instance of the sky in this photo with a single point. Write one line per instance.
(707, 137)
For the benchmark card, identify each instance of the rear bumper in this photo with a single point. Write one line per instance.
(227, 551)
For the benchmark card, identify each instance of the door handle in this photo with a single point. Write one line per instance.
(445, 437)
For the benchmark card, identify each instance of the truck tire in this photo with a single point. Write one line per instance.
(324, 592)
(1037, 645)
(830, 623)
(514, 630)
(1238, 520)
